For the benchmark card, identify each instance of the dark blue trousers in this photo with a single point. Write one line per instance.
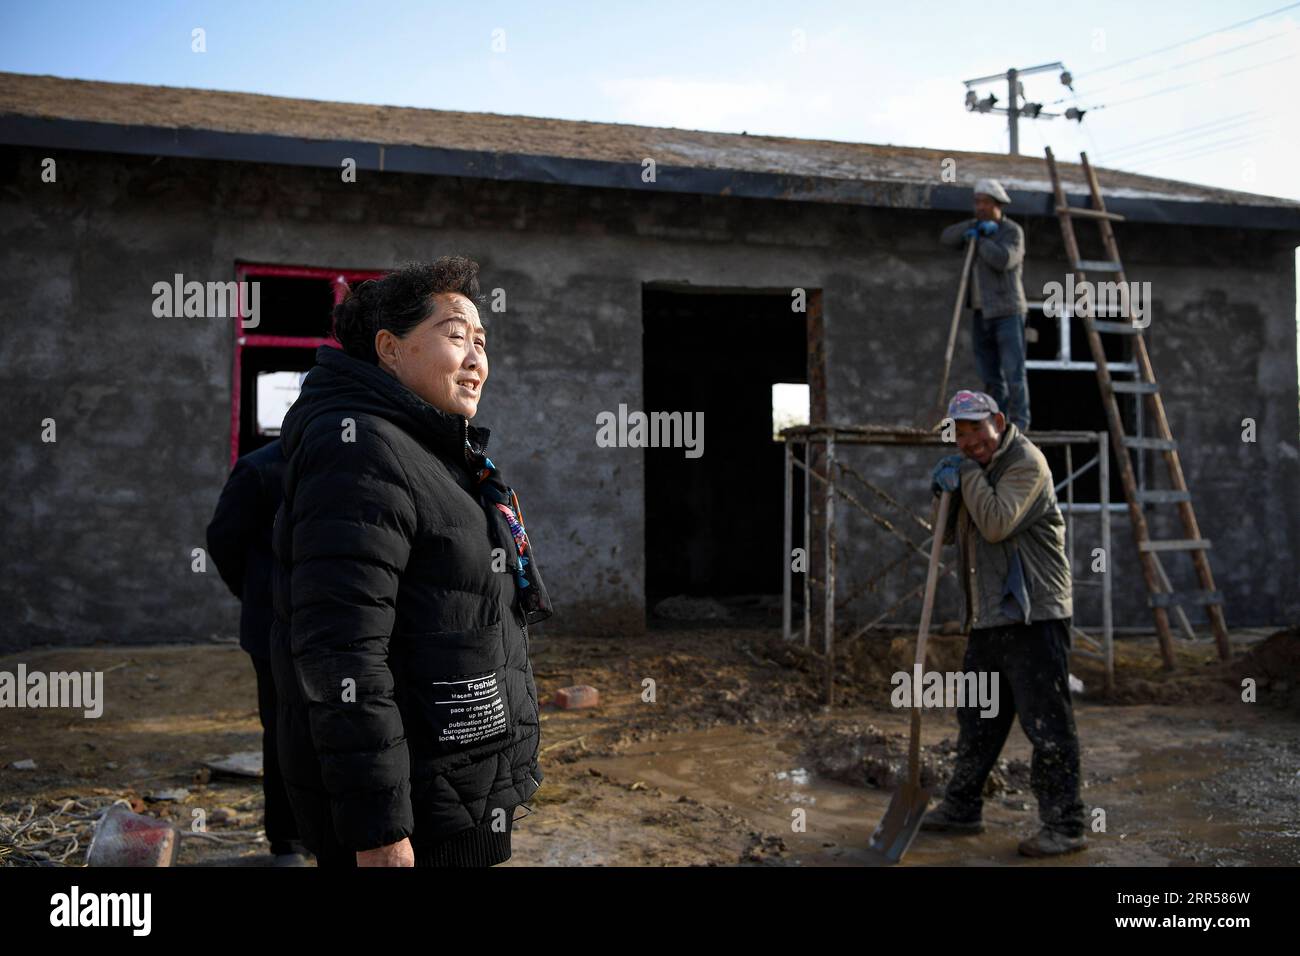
(1032, 663)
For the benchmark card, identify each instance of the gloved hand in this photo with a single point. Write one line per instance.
(946, 475)
(987, 227)
(970, 233)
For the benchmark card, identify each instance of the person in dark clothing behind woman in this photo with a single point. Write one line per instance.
(239, 541)
(404, 586)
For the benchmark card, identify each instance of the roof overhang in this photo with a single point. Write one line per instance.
(189, 143)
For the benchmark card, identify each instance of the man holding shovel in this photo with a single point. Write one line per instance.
(996, 293)
(1016, 577)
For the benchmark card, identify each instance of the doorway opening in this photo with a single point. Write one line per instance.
(713, 524)
(1069, 399)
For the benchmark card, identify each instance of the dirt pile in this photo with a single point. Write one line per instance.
(1274, 664)
(1198, 677)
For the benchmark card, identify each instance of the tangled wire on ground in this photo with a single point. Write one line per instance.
(53, 836)
(29, 838)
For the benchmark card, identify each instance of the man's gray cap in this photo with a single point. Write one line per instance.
(993, 188)
(971, 405)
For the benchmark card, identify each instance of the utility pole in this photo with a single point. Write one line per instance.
(1013, 112)
(1015, 93)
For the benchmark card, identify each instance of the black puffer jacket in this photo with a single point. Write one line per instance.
(239, 541)
(400, 649)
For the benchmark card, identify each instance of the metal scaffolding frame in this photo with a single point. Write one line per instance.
(1066, 362)
(833, 480)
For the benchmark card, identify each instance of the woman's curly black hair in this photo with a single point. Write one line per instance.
(399, 302)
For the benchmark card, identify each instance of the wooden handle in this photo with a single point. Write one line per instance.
(922, 636)
(952, 330)
(932, 575)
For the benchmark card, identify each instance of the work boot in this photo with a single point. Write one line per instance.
(1052, 843)
(943, 819)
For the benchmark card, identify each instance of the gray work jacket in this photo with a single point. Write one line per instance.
(997, 287)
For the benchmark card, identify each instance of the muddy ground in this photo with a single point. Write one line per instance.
(716, 769)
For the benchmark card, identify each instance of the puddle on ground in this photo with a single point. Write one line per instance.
(760, 777)
(1164, 807)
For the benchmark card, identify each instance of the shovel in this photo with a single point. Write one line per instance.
(942, 402)
(895, 833)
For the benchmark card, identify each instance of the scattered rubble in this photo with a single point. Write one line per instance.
(580, 697)
(123, 838)
(246, 763)
(177, 794)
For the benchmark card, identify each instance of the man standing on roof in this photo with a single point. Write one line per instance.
(996, 294)
(1016, 576)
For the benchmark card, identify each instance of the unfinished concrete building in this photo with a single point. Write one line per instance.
(624, 266)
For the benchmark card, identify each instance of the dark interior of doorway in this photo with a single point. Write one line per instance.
(1071, 401)
(714, 524)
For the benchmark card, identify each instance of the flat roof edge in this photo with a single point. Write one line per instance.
(90, 136)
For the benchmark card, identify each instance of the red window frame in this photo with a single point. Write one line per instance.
(250, 271)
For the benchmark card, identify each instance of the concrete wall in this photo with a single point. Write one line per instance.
(1223, 344)
(100, 525)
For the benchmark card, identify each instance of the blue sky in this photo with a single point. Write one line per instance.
(863, 72)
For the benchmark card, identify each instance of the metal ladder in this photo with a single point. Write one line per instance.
(1160, 594)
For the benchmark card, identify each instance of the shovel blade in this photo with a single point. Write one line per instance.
(901, 821)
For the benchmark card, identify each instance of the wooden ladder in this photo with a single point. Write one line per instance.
(1161, 596)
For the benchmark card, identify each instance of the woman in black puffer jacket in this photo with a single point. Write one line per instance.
(404, 585)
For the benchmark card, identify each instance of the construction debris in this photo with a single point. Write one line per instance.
(123, 838)
(177, 795)
(246, 763)
(579, 697)
(32, 836)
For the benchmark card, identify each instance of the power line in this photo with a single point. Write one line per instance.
(1174, 46)
(1159, 152)
(1178, 154)
(1213, 128)
(1168, 169)
(1206, 149)
(1186, 129)
(1087, 131)
(1178, 66)
(1183, 140)
(1183, 86)
(1014, 109)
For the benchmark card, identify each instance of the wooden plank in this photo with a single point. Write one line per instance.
(1162, 496)
(1152, 444)
(1134, 388)
(1166, 599)
(1116, 328)
(1176, 544)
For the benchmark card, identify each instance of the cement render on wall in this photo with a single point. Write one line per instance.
(100, 525)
